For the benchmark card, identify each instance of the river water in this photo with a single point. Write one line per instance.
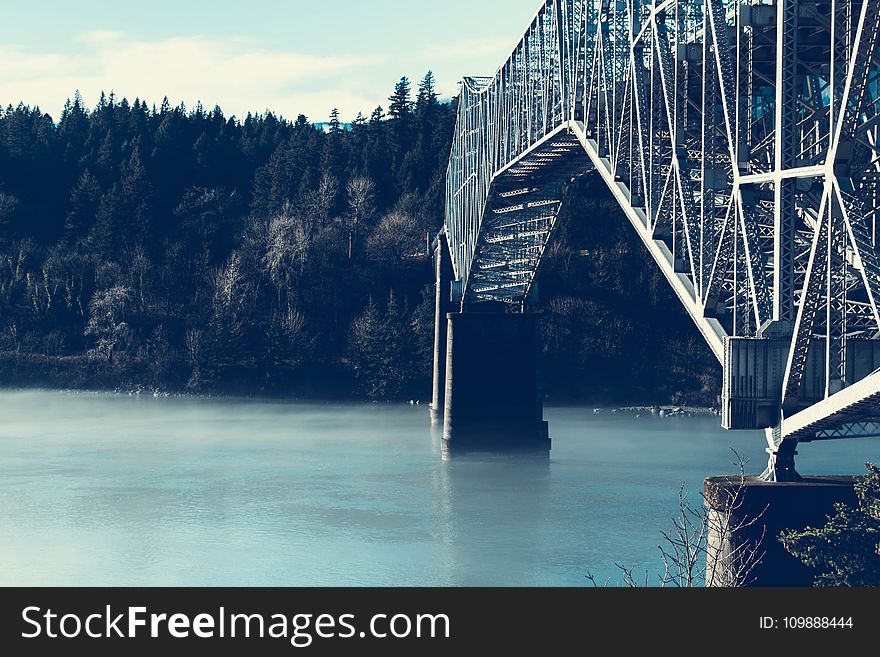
(100, 489)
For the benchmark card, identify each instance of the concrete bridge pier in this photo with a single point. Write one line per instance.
(746, 516)
(442, 306)
(492, 395)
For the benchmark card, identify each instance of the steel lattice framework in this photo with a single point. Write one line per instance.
(740, 137)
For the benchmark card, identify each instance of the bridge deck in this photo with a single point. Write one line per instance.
(852, 412)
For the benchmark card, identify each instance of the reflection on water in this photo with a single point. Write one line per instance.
(494, 506)
(106, 490)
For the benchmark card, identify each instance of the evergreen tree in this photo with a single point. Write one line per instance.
(85, 197)
(106, 160)
(335, 124)
(137, 194)
(383, 351)
(333, 163)
(377, 156)
(401, 131)
(426, 102)
(399, 361)
(73, 129)
(846, 551)
(366, 351)
(8, 206)
(400, 101)
(106, 235)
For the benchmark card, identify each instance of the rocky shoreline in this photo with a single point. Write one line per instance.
(669, 410)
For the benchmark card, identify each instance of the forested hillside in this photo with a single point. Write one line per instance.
(178, 249)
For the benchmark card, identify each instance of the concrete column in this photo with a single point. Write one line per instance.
(442, 305)
(747, 516)
(493, 400)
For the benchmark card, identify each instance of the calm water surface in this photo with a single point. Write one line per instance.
(100, 489)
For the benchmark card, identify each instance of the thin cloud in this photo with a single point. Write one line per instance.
(469, 48)
(17, 66)
(459, 55)
(221, 71)
(100, 36)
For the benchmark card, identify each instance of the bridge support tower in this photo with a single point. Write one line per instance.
(486, 390)
(442, 307)
(492, 394)
(492, 399)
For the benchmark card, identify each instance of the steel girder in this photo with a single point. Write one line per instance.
(740, 138)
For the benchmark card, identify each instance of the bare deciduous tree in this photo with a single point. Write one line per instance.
(285, 251)
(13, 272)
(287, 338)
(138, 271)
(361, 206)
(195, 351)
(228, 283)
(397, 236)
(707, 544)
(53, 346)
(107, 321)
(320, 202)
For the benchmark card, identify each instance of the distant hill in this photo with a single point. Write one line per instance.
(326, 127)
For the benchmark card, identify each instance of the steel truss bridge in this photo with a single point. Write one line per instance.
(740, 138)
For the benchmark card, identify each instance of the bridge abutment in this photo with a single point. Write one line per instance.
(746, 516)
(492, 395)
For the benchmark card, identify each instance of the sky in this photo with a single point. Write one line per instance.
(288, 56)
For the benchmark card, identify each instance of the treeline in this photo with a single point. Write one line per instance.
(180, 249)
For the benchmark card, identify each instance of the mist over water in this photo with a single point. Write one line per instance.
(98, 489)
